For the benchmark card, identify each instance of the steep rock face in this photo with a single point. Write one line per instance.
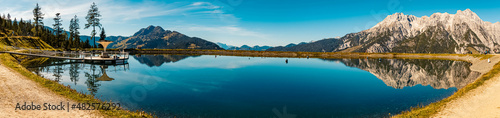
(403, 73)
(447, 33)
(462, 32)
(156, 37)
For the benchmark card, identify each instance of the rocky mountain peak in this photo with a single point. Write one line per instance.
(149, 29)
(156, 37)
(467, 13)
(400, 17)
(395, 20)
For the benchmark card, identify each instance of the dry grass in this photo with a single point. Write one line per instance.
(66, 91)
(421, 111)
(434, 108)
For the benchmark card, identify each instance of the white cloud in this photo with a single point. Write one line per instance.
(229, 30)
(111, 10)
(206, 5)
(198, 3)
(212, 20)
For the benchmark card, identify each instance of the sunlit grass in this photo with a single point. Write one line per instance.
(419, 111)
(66, 91)
(436, 107)
(299, 54)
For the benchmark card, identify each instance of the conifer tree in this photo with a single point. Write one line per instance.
(74, 33)
(38, 17)
(58, 29)
(93, 20)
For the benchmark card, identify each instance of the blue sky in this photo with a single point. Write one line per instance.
(251, 22)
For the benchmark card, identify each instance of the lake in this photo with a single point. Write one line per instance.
(251, 87)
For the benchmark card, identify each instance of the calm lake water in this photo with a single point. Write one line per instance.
(229, 86)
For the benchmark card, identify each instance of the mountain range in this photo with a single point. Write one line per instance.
(157, 38)
(243, 47)
(462, 32)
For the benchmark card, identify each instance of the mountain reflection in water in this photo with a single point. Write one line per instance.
(158, 60)
(399, 73)
(233, 86)
(396, 73)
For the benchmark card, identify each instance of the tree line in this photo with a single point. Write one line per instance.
(58, 37)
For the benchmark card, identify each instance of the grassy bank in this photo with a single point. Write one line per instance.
(9, 61)
(426, 111)
(298, 54)
(434, 108)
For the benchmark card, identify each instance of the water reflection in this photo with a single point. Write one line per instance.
(158, 60)
(396, 73)
(230, 86)
(104, 76)
(399, 73)
(91, 82)
(74, 72)
(93, 74)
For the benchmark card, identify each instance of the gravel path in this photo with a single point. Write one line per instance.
(482, 102)
(15, 88)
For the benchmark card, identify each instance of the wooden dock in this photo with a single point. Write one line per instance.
(78, 56)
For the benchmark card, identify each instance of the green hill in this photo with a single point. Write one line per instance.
(21, 41)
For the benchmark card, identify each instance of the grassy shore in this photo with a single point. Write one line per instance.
(336, 55)
(423, 111)
(66, 91)
(434, 108)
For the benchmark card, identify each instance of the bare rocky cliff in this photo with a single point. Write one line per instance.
(462, 32)
(454, 33)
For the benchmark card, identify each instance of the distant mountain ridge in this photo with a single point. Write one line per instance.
(243, 47)
(246, 47)
(316, 46)
(223, 45)
(462, 32)
(156, 37)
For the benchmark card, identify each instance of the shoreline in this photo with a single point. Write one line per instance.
(24, 86)
(19, 90)
(470, 101)
(479, 64)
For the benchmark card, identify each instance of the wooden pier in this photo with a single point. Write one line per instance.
(92, 57)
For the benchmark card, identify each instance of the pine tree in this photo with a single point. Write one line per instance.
(87, 44)
(58, 29)
(74, 33)
(14, 27)
(38, 17)
(103, 34)
(1, 22)
(93, 20)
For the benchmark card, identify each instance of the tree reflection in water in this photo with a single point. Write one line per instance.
(92, 82)
(74, 72)
(54, 70)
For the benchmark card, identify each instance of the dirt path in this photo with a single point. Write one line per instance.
(15, 88)
(482, 102)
